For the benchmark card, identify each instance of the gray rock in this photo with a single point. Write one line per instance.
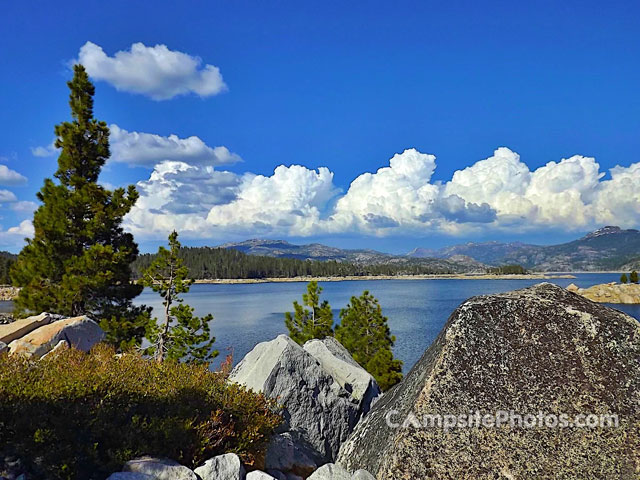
(3, 347)
(259, 475)
(222, 467)
(330, 472)
(317, 409)
(159, 469)
(540, 349)
(336, 360)
(130, 476)
(292, 476)
(288, 454)
(362, 475)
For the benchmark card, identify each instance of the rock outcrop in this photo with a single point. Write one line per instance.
(610, 292)
(323, 391)
(541, 349)
(14, 330)
(78, 332)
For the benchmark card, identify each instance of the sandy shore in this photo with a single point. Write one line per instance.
(388, 277)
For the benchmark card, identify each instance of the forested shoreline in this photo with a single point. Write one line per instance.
(205, 263)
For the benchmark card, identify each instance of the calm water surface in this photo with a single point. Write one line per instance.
(245, 315)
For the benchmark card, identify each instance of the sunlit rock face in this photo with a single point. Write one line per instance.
(540, 349)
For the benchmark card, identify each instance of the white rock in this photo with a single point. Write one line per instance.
(362, 475)
(336, 360)
(222, 467)
(19, 328)
(259, 475)
(79, 332)
(330, 471)
(321, 405)
(130, 476)
(160, 469)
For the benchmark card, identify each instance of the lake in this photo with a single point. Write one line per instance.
(246, 314)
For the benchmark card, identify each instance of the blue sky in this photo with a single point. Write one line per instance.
(340, 88)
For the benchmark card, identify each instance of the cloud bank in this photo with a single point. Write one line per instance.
(499, 193)
(156, 72)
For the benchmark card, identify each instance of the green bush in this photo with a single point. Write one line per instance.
(81, 416)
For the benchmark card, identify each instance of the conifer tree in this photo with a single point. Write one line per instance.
(181, 335)
(623, 278)
(365, 333)
(633, 278)
(78, 261)
(316, 321)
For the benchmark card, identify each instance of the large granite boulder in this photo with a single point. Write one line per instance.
(320, 407)
(540, 349)
(14, 330)
(79, 332)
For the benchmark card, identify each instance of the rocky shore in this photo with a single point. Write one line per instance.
(628, 293)
(457, 276)
(540, 353)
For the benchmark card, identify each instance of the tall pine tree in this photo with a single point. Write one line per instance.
(316, 321)
(78, 261)
(364, 332)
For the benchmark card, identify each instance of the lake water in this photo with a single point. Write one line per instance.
(246, 314)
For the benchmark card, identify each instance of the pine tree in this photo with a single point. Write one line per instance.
(365, 333)
(313, 322)
(181, 336)
(78, 261)
(633, 278)
(623, 278)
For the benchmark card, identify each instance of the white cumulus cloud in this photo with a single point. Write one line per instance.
(155, 71)
(10, 177)
(497, 193)
(291, 201)
(148, 149)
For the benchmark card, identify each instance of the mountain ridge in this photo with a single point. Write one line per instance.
(607, 248)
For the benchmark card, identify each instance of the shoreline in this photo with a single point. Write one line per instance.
(349, 278)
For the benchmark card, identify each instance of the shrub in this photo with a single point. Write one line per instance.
(78, 415)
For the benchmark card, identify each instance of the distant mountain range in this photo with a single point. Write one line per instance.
(609, 248)
(319, 252)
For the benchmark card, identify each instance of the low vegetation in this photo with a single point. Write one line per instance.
(77, 415)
